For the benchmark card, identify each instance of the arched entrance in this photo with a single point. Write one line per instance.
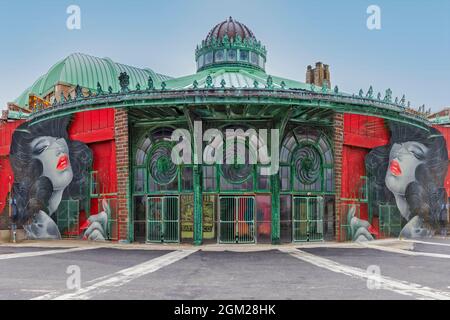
(159, 190)
(306, 185)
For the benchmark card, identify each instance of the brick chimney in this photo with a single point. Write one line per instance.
(318, 75)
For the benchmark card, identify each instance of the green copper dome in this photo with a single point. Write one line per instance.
(230, 43)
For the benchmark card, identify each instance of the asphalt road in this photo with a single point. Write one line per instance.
(331, 272)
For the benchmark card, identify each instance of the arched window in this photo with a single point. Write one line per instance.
(154, 170)
(306, 162)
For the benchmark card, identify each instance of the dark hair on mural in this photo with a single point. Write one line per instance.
(33, 191)
(426, 197)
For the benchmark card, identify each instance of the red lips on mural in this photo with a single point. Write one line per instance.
(395, 168)
(63, 162)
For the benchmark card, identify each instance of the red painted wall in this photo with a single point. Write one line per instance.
(95, 128)
(446, 133)
(6, 175)
(361, 134)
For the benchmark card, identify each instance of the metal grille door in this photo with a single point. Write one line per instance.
(237, 219)
(67, 218)
(307, 219)
(163, 219)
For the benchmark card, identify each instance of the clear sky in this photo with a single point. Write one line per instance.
(410, 54)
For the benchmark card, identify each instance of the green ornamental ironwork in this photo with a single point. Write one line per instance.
(269, 82)
(307, 163)
(99, 89)
(160, 165)
(124, 82)
(369, 94)
(150, 84)
(388, 96)
(209, 81)
(78, 92)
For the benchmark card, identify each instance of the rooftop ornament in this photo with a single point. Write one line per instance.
(138, 87)
(402, 101)
(388, 96)
(283, 85)
(379, 96)
(195, 84)
(78, 92)
(124, 81)
(63, 98)
(336, 89)
(150, 84)
(369, 94)
(99, 89)
(163, 85)
(110, 90)
(209, 81)
(255, 84)
(223, 83)
(269, 82)
(361, 93)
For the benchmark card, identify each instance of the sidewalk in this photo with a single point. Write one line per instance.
(400, 244)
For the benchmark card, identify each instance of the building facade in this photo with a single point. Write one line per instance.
(88, 152)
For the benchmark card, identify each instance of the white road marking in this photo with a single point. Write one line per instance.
(41, 253)
(386, 283)
(119, 278)
(427, 242)
(407, 252)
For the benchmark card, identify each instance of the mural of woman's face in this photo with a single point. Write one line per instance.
(54, 156)
(404, 158)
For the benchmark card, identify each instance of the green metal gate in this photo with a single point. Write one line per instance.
(67, 218)
(163, 219)
(307, 219)
(237, 219)
(390, 220)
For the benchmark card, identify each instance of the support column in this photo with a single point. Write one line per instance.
(198, 206)
(123, 179)
(275, 188)
(338, 146)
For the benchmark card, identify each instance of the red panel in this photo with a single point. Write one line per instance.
(6, 131)
(92, 126)
(365, 131)
(353, 167)
(446, 133)
(6, 178)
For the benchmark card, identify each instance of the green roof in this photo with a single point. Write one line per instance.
(234, 77)
(86, 71)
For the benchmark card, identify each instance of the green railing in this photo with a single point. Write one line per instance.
(67, 219)
(163, 224)
(237, 219)
(390, 220)
(307, 219)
